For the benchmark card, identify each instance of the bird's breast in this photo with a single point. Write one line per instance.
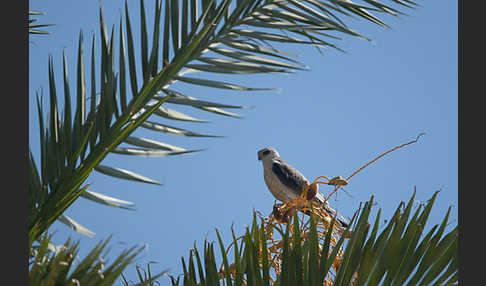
(278, 190)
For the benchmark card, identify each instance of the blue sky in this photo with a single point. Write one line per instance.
(329, 121)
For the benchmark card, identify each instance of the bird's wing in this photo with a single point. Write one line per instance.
(288, 175)
(294, 180)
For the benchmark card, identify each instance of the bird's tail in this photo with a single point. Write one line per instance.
(321, 201)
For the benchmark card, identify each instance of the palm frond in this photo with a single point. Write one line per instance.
(145, 276)
(107, 200)
(33, 27)
(75, 225)
(312, 251)
(124, 174)
(61, 266)
(209, 38)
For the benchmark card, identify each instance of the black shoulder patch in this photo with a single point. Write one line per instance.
(289, 176)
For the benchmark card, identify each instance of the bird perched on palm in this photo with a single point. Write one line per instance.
(287, 184)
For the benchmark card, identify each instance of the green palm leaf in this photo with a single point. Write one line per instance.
(34, 27)
(152, 144)
(124, 174)
(397, 255)
(75, 225)
(49, 265)
(107, 200)
(75, 143)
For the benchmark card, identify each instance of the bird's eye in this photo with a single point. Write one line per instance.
(266, 152)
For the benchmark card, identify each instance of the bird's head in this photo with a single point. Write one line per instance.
(267, 153)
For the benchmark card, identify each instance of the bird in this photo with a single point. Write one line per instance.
(286, 182)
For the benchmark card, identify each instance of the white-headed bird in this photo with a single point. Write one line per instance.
(286, 183)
